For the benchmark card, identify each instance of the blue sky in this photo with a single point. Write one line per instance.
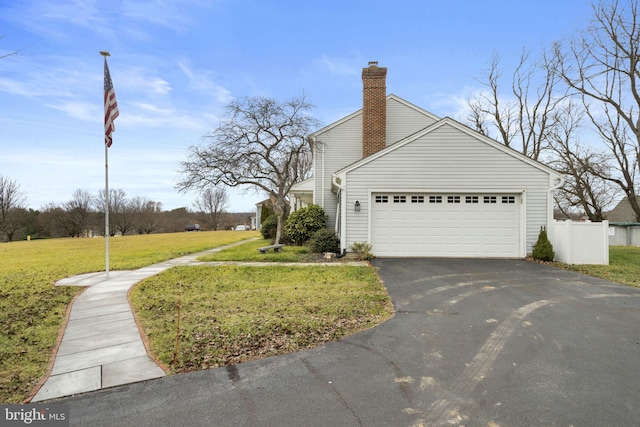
(175, 64)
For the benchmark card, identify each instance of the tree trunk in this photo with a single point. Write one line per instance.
(280, 229)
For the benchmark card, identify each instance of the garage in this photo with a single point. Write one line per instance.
(446, 225)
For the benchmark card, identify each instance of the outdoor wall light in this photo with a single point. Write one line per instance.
(357, 206)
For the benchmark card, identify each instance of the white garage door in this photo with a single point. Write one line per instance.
(446, 225)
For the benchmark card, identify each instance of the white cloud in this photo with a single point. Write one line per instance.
(140, 80)
(153, 115)
(80, 110)
(202, 81)
(340, 66)
(53, 19)
(165, 13)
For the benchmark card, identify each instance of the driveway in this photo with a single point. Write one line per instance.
(473, 343)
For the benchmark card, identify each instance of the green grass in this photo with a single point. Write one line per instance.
(624, 266)
(231, 314)
(32, 310)
(250, 253)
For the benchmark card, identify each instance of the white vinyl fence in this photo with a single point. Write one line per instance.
(580, 242)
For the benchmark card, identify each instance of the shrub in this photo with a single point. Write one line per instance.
(324, 240)
(362, 250)
(543, 249)
(270, 227)
(265, 213)
(301, 224)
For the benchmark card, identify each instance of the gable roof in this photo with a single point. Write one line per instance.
(448, 121)
(303, 186)
(359, 112)
(623, 212)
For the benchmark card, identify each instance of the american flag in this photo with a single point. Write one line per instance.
(110, 106)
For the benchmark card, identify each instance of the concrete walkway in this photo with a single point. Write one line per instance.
(101, 346)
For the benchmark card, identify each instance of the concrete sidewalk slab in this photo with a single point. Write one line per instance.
(101, 345)
(90, 279)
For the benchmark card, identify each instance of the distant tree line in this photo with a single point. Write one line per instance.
(83, 215)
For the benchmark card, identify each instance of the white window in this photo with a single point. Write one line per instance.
(471, 199)
(490, 199)
(382, 199)
(508, 199)
(453, 199)
(399, 199)
(417, 199)
(435, 199)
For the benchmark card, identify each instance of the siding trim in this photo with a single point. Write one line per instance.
(457, 126)
(359, 112)
(413, 107)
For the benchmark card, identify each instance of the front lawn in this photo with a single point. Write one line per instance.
(249, 253)
(32, 310)
(232, 314)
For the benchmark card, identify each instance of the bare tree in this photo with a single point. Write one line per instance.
(72, 218)
(582, 167)
(147, 215)
(12, 202)
(54, 219)
(602, 66)
(261, 145)
(487, 109)
(524, 120)
(121, 215)
(212, 202)
(78, 211)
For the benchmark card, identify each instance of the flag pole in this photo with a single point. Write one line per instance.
(106, 177)
(106, 209)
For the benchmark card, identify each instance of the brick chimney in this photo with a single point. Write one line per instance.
(374, 109)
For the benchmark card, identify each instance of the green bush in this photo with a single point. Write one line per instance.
(265, 213)
(270, 227)
(301, 224)
(362, 250)
(543, 249)
(324, 240)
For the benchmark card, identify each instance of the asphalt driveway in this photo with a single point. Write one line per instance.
(473, 343)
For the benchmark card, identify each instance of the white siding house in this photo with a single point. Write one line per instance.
(340, 144)
(434, 188)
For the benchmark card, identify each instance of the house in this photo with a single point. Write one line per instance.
(416, 185)
(624, 230)
(623, 212)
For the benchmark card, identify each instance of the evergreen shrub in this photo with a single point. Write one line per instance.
(543, 249)
(270, 227)
(324, 240)
(301, 224)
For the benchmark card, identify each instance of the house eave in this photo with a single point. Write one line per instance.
(447, 120)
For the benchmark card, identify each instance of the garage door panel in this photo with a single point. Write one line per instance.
(471, 233)
(453, 232)
(457, 225)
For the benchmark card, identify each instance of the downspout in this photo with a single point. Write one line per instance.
(314, 143)
(551, 229)
(322, 197)
(343, 220)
